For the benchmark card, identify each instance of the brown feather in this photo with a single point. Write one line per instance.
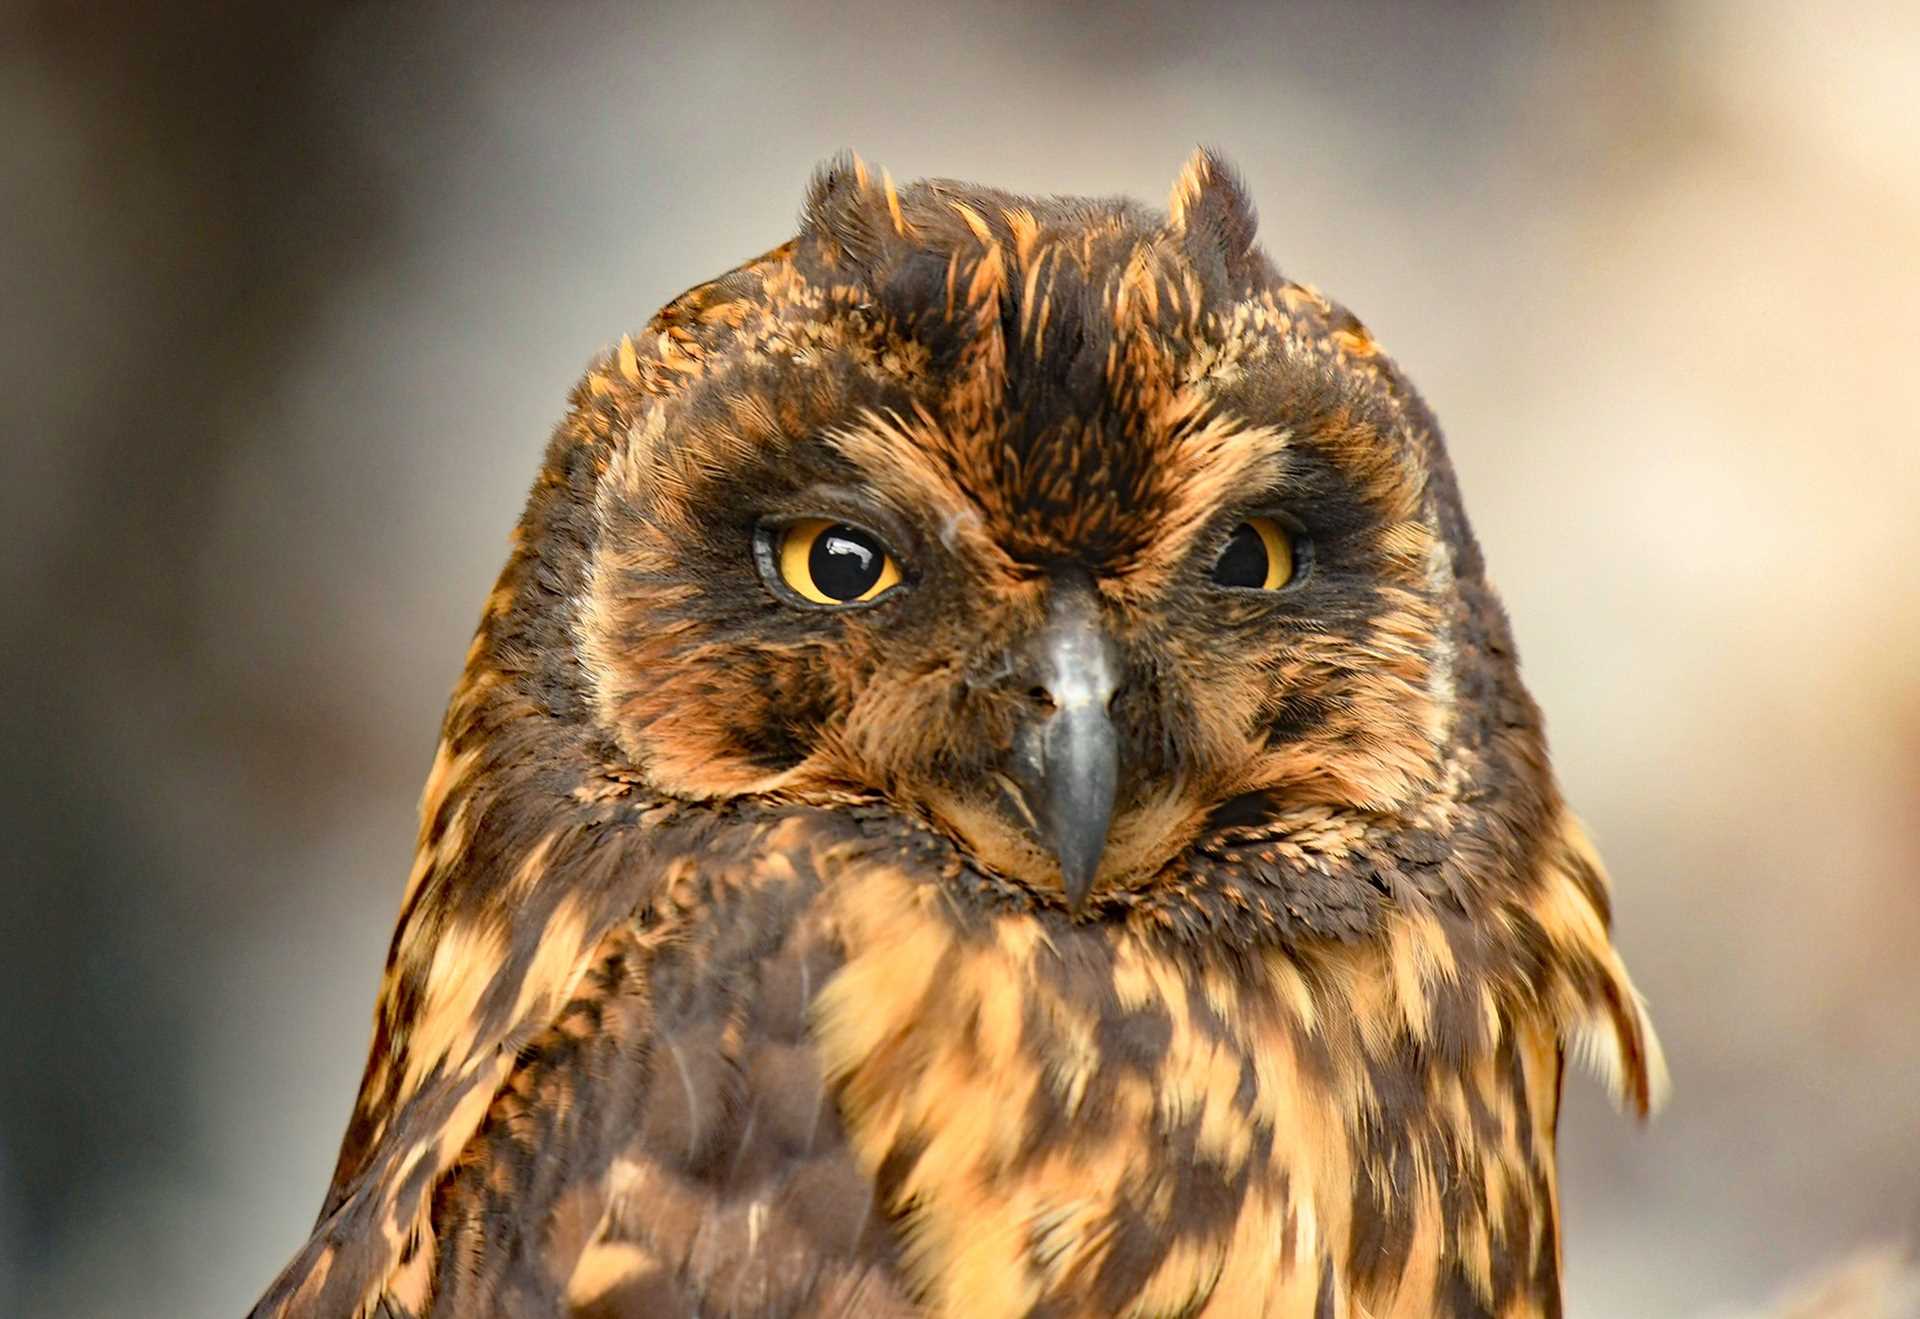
(724, 981)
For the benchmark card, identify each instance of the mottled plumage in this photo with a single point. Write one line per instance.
(743, 970)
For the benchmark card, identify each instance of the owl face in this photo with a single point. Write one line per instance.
(1067, 530)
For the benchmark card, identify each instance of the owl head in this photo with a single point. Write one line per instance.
(1066, 531)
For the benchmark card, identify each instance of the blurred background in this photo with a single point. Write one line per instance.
(291, 301)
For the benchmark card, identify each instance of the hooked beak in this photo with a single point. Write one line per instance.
(1066, 754)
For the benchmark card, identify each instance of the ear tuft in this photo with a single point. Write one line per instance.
(852, 210)
(1210, 212)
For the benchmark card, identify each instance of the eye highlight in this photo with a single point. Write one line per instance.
(1258, 556)
(833, 563)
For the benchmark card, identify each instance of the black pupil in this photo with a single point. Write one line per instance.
(1244, 561)
(845, 562)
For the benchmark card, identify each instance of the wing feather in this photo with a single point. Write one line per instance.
(644, 1129)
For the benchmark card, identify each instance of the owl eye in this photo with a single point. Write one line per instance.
(1259, 555)
(833, 563)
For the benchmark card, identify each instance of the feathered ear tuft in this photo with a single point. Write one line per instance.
(853, 210)
(1210, 212)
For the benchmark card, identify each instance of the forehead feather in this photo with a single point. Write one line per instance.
(1067, 371)
(1065, 338)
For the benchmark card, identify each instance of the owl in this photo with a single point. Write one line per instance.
(993, 783)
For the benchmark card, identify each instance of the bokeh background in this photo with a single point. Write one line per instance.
(290, 300)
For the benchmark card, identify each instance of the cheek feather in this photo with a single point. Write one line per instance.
(725, 723)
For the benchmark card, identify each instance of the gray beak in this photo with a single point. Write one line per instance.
(1066, 754)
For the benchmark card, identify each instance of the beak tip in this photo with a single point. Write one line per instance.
(1067, 752)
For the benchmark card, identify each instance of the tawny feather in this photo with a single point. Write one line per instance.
(737, 974)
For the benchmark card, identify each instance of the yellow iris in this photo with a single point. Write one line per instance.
(1279, 552)
(831, 563)
(1258, 556)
